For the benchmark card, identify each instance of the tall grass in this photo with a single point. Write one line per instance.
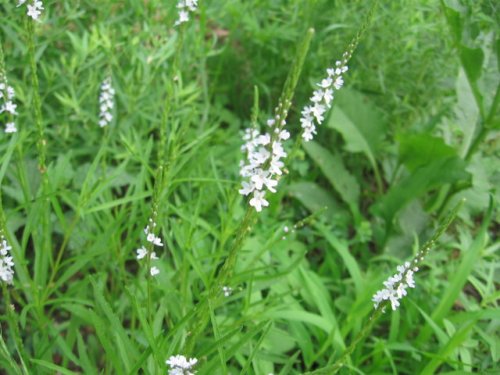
(281, 281)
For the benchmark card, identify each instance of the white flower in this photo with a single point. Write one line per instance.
(325, 83)
(154, 271)
(395, 286)
(322, 99)
(318, 110)
(35, 9)
(9, 107)
(258, 200)
(10, 127)
(154, 239)
(183, 17)
(284, 135)
(328, 96)
(21, 2)
(185, 7)
(106, 102)
(6, 262)
(141, 252)
(227, 291)
(180, 365)
(7, 93)
(247, 188)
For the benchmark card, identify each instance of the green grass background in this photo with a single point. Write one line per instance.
(414, 130)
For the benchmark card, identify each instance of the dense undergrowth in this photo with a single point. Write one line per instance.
(413, 132)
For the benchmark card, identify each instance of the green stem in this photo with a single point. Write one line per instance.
(379, 310)
(14, 329)
(201, 315)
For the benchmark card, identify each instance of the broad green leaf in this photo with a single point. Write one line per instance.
(466, 110)
(452, 12)
(313, 197)
(337, 174)
(472, 61)
(422, 149)
(360, 123)
(423, 179)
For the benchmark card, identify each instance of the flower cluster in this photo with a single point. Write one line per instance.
(6, 263)
(34, 10)
(142, 252)
(185, 7)
(106, 102)
(321, 100)
(263, 165)
(8, 106)
(180, 365)
(396, 285)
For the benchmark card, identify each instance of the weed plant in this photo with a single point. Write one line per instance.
(130, 246)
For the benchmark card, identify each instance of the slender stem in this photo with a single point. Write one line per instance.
(379, 310)
(14, 328)
(37, 106)
(281, 112)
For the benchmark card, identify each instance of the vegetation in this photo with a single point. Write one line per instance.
(404, 168)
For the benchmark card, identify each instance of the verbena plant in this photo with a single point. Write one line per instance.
(129, 243)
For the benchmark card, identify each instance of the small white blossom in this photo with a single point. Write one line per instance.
(141, 252)
(154, 271)
(106, 102)
(227, 290)
(185, 7)
(258, 201)
(322, 98)
(154, 239)
(8, 107)
(6, 262)
(395, 286)
(34, 9)
(180, 365)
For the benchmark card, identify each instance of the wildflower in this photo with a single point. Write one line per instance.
(143, 252)
(396, 285)
(34, 9)
(263, 164)
(154, 239)
(227, 290)
(154, 271)
(185, 7)
(180, 365)
(8, 107)
(106, 102)
(6, 262)
(322, 98)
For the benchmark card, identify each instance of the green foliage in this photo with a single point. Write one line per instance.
(414, 132)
